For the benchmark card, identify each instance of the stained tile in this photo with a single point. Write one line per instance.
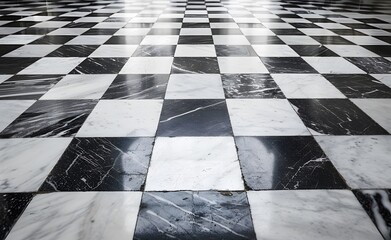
(212, 164)
(71, 214)
(57, 118)
(335, 117)
(12, 206)
(250, 86)
(324, 214)
(122, 118)
(264, 117)
(209, 215)
(27, 86)
(286, 163)
(194, 118)
(101, 164)
(22, 173)
(137, 86)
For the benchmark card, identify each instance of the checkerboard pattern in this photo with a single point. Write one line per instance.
(195, 119)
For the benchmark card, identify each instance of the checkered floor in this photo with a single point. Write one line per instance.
(231, 119)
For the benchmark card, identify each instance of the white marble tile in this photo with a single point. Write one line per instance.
(19, 39)
(123, 118)
(68, 31)
(332, 65)
(148, 65)
(75, 14)
(274, 51)
(52, 65)
(115, 50)
(264, 117)
(223, 25)
(195, 86)
(257, 32)
(4, 77)
(89, 40)
(298, 40)
(195, 31)
(91, 19)
(365, 40)
(90, 86)
(309, 215)
(332, 26)
(25, 163)
(109, 25)
(230, 40)
(132, 31)
(10, 30)
(160, 40)
(79, 215)
(351, 51)
(11, 109)
(363, 161)
(378, 109)
(235, 65)
(51, 24)
(306, 86)
(36, 18)
(167, 25)
(375, 32)
(384, 78)
(194, 163)
(317, 32)
(275, 25)
(195, 50)
(32, 51)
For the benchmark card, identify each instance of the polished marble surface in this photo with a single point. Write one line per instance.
(195, 119)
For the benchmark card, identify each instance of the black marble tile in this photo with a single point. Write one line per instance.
(12, 206)
(54, 118)
(304, 25)
(136, 86)
(358, 26)
(48, 39)
(194, 118)
(35, 31)
(287, 65)
(4, 49)
(101, 164)
(250, 86)
(73, 51)
(235, 50)
(164, 31)
(264, 40)
(347, 32)
(332, 40)
(155, 51)
(132, 40)
(195, 65)
(313, 50)
(100, 31)
(203, 39)
(206, 215)
(251, 25)
(66, 19)
(14, 65)
(27, 86)
(226, 31)
(19, 24)
(359, 85)
(195, 25)
(289, 31)
(386, 39)
(381, 50)
(371, 64)
(377, 204)
(100, 66)
(335, 117)
(177, 20)
(80, 25)
(286, 163)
